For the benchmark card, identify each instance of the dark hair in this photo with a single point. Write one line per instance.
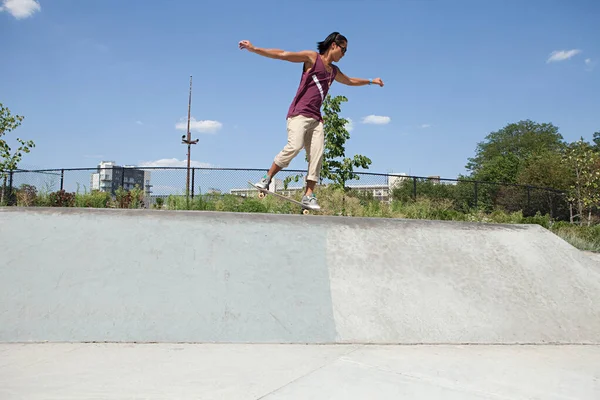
(336, 37)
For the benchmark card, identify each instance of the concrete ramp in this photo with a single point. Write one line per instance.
(81, 275)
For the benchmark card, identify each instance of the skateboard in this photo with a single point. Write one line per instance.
(263, 192)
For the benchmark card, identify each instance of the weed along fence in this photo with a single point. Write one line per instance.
(227, 189)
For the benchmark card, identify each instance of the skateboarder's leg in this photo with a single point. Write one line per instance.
(273, 170)
(296, 127)
(315, 146)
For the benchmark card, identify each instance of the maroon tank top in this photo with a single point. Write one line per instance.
(313, 88)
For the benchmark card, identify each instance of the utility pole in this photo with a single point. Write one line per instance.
(189, 143)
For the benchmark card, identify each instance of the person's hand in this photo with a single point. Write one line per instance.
(378, 81)
(245, 44)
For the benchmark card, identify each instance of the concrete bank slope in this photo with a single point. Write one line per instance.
(81, 275)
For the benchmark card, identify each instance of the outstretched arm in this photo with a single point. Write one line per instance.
(341, 78)
(298, 56)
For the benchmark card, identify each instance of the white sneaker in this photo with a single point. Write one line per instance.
(310, 202)
(264, 182)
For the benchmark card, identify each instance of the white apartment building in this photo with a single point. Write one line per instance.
(111, 176)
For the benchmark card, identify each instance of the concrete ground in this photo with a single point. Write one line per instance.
(205, 277)
(240, 372)
(593, 255)
(527, 301)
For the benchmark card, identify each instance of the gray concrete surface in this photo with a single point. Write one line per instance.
(593, 255)
(273, 372)
(448, 282)
(79, 275)
(73, 275)
(114, 275)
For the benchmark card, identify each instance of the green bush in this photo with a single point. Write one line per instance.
(62, 198)
(582, 237)
(26, 195)
(94, 199)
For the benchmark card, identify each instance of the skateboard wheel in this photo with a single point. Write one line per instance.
(261, 195)
(305, 212)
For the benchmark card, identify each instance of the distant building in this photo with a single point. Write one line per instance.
(436, 179)
(110, 177)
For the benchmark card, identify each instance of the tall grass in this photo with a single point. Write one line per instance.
(582, 237)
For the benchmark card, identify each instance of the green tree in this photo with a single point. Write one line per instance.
(336, 166)
(584, 192)
(547, 170)
(9, 160)
(597, 141)
(504, 153)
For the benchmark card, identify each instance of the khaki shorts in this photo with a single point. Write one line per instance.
(304, 132)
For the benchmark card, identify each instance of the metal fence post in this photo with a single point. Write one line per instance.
(62, 179)
(415, 188)
(10, 188)
(193, 175)
(476, 190)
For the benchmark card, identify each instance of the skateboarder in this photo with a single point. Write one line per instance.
(304, 120)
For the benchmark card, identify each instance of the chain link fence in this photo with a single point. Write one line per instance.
(228, 188)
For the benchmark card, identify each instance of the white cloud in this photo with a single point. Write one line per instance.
(173, 162)
(376, 119)
(561, 55)
(206, 126)
(349, 125)
(139, 122)
(424, 126)
(20, 8)
(589, 64)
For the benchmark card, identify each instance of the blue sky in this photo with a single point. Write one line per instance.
(109, 80)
